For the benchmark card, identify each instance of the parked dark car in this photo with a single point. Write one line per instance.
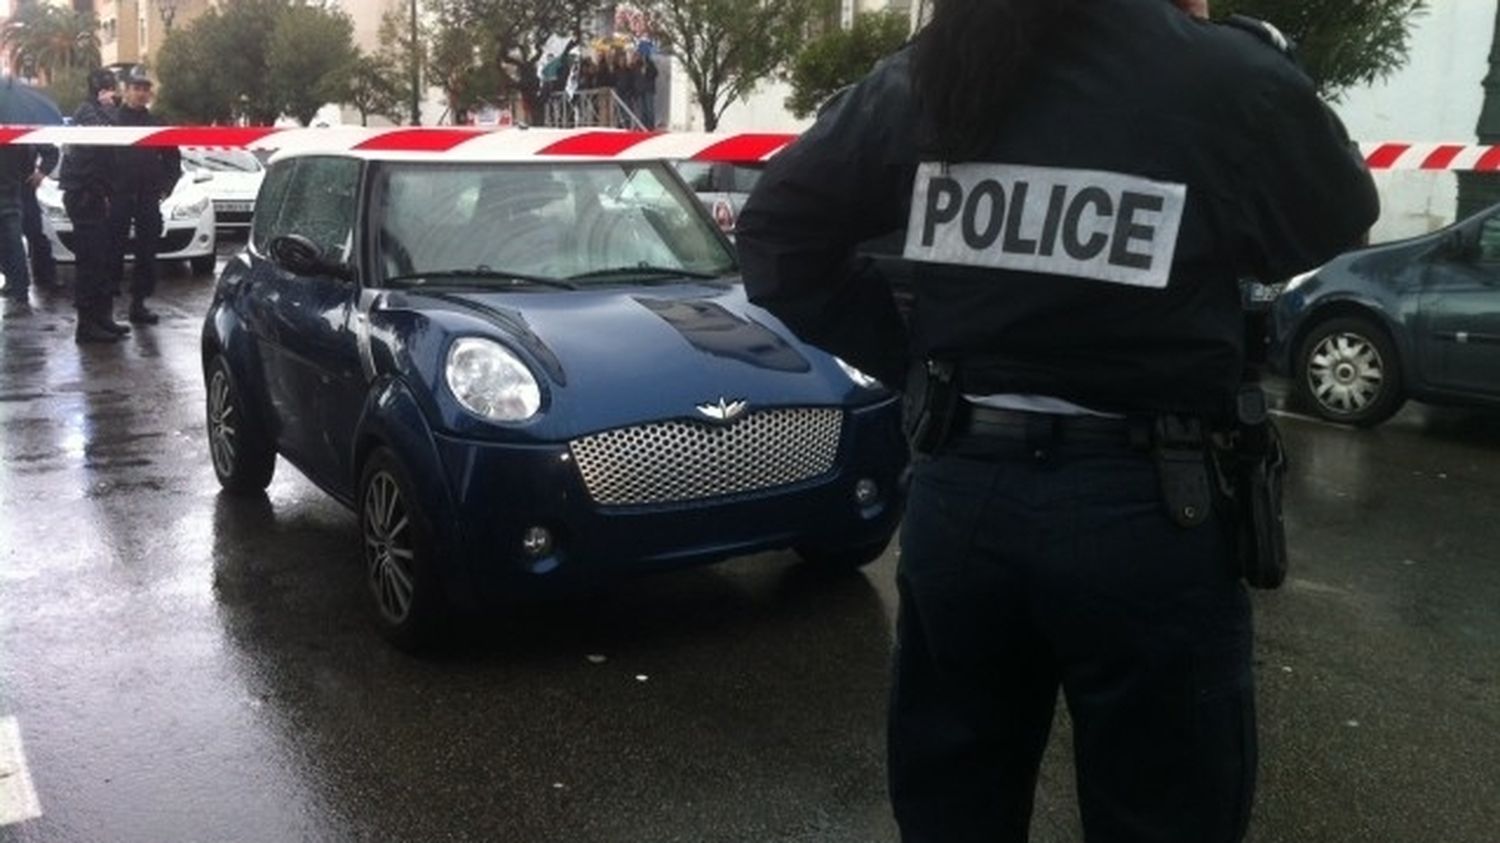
(527, 375)
(1417, 319)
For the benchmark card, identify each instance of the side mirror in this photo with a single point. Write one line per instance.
(301, 256)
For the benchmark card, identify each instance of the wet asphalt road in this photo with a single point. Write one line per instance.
(185, 666)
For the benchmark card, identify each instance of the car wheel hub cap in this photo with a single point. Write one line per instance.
(1345, 373)
(388, 549)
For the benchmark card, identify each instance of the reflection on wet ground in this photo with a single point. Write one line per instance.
(186, 665)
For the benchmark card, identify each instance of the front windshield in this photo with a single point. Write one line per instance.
(221, 160)
(585, 222)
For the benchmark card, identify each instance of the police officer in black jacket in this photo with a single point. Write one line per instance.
(87, 181)
(144, 178)
(1080, 184)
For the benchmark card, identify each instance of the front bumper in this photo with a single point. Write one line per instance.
(180, 239)
(498, 492)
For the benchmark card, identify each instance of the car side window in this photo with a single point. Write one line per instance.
(699, 176)
(1489, 241)
(321, 204)
(268, 205)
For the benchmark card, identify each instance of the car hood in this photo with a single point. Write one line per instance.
(232, 186)
(1381, 258)
(622, 355)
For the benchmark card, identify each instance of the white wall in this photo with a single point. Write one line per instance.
(763, 111)
(1435, 97)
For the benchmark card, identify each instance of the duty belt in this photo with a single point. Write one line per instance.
(1042, 429)
(1177, 444)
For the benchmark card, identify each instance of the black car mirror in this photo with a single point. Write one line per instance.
(301, 256)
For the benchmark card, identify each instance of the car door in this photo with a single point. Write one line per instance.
(305, 323)
(1460, 308)
(257, 303)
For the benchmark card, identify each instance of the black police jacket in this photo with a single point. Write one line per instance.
(17, 163)
(146, 172)
(1093, 253)
(89, 167)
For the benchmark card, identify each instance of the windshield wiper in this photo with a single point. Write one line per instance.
(645, 269)
(417, 279)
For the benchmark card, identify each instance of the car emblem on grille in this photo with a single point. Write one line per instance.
(724, 410)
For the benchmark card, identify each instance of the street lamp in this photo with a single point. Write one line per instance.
(416, 67)
(168, 10)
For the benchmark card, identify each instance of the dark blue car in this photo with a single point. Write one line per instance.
(528, 375)
(1415, 319)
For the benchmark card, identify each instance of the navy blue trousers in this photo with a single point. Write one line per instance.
(1022, 575)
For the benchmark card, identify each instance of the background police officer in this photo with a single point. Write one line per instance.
(87, 181)
(1080, 183)
(144, 177)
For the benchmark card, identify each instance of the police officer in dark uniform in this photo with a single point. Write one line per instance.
(87, 181)
(144, 178)
(1080, 184)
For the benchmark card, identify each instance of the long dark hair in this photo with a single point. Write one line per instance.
(970, 59)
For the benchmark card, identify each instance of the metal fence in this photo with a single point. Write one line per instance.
(592, 107)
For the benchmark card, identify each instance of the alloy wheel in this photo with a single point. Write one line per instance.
(222, 434)
(389, 554)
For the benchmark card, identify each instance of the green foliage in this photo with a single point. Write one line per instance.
(486, 50)
(842, 57)
(1342, 43)
(311, 56)
(188, 92)
(727, 47)
(68, 87)
(378, 87)
(237, 60)
(404, 56)
(44, 39)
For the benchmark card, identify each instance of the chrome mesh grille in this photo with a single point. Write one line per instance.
(676, 461)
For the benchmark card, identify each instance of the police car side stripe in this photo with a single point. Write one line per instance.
(1080, 223)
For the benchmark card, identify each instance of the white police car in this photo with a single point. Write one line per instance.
(187, 216)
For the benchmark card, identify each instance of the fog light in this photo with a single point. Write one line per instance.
(865, 492)
(536, 542)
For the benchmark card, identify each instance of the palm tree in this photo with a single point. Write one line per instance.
(42, 39)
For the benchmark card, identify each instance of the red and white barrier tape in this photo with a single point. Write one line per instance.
(500, 144)
(517, 144)
(1432, 157)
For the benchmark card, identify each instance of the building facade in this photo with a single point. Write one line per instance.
(1436, 96)
(132, 31)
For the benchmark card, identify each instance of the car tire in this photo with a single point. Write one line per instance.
(1348, 372)
(849, 558)
(203, 264)
(243, 456)
(401, 581)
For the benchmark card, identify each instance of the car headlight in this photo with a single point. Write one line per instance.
(191, 210)
(861, 380)
(491, 382)
(1299, 280)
